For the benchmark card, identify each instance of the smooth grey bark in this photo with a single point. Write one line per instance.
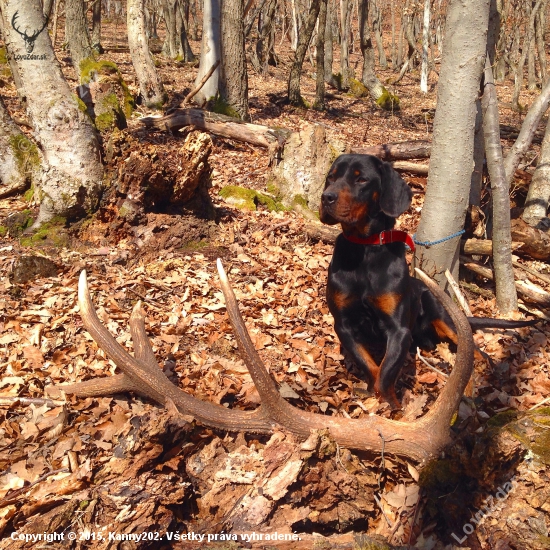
(76, 34)
(425, 48)
(306, 32)
(150, 85)
(73, 173)
(329, 76)
(182, 22)
(538, 197)
(20, 164)
(450, 173)
(210, 51)
(376, 28)
(233, 76)
(527, 132)
(507, 300)
(264, 45)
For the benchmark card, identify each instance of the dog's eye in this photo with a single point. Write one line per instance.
(361, 180)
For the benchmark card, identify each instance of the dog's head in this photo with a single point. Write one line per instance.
(359, 187)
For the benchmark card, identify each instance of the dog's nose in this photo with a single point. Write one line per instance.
(328, 197)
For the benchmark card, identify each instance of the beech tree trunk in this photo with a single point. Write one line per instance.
(150, 85)
(96, 26)
(304, 39)
(320, 60)
(210, 51)
(425, 48)
(73, 176)
(449, 180)
(538, 197)
(233, 76)
(345, 16)
(76, 34)
(502, 240)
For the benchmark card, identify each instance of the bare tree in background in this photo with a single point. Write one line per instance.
(150, 85)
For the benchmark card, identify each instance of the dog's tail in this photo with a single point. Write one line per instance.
(487, 322)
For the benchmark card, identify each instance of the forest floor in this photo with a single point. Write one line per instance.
(121, 465)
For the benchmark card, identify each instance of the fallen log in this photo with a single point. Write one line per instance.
(404, 150)
(221, 125)
(536, 243)
(483, 247)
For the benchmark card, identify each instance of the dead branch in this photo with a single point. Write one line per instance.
(420, 440)
(199, 86)
(529, 291)
(221, 125)
(404, 150)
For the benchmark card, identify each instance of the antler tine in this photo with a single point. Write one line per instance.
(152, 382)
(447, 403)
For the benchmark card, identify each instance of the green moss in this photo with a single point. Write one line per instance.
(3, 230)
(52, 232)
(81, 105)
(3, 56)
(439, 474)
(195, 245)
(218, 105)
(299, 200)
(501, 419)
(89, 67)
(357, 88)
(25, 153)
(388, 101)
(249, 199)
(29, 194)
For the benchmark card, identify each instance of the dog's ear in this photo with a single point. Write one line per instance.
(395, 195)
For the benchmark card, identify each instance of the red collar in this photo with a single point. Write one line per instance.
(385, 237)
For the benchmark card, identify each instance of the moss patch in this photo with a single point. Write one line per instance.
(357, 88)
(388, 101)
(89, 68)
(25, 153)
(249, 199)
(218, 105)
(52, 233)
(3, 230)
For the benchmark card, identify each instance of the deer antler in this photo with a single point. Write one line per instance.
(419, 440)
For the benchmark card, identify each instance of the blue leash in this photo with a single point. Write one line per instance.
(427, 244)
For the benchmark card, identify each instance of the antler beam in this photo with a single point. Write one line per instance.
(419, 440)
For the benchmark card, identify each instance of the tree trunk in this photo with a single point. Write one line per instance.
(538, 197)
(345, 15)
(150, 85)
(329, 76)
(540, 25)
(210, 50)
(448, 187)
(502, 240)
(294, 95)
(76, 34)
(320, 61)
(264, 45)
(181, 27)
(479, 159)
(171, 47)
(376, 89)
(20, 164)
(527, 132)
(425, 48)
(73, 179)
(96, 26)
(377, 33)
(233, 76)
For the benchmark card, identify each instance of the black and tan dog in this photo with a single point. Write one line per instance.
(379, 310)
